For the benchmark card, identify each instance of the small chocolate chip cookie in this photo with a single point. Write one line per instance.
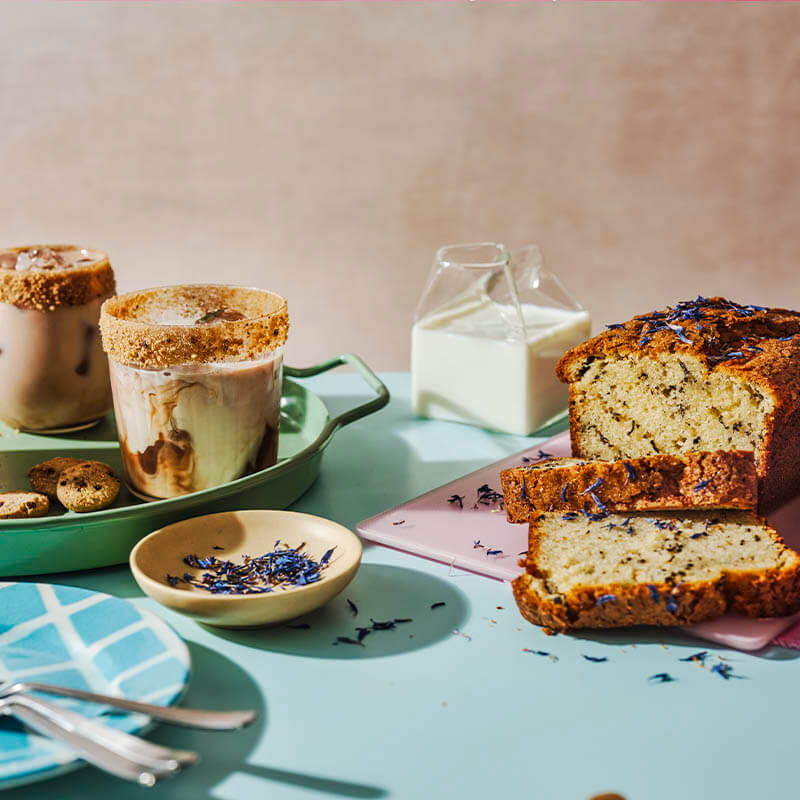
(14, 505)
(44, 476)
(87, 486)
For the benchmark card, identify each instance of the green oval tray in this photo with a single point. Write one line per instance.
(65, 541)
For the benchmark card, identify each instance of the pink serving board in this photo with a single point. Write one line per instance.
(432, 527)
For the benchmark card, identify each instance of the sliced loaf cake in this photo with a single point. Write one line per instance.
(671, 569)
(722, 479)
(706, 374)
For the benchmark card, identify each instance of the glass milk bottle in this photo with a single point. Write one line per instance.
(488, 333)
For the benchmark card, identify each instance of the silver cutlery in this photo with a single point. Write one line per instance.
(124, 744)
(35, 716)
(189, 717)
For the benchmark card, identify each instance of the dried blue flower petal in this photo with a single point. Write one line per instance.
(363, 633)
(542, 455)
(672, 604)
(592, 487)
(172, 580)
(494, 552)
(564, 493)
(743, 311)
(438, 604)
(723, 670)
(348, 640)
(699, 657)
(701, 485)
(631, 473)
(487, 496)
(594, 517)
(353, 607)
(456, 499)
(595, 659)
(605, 598)
(653, 592)
(603, 510)
(679, 333)
(540, 653)
(569, 516)
(281, 568)
(661, 677)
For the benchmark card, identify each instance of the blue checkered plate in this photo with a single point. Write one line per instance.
(85, 640)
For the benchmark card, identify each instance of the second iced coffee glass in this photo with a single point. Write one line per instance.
(196, 378)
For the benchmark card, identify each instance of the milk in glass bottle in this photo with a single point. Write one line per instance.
(488, 333)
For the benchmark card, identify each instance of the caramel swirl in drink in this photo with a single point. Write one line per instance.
(196, 376)
(52, 368)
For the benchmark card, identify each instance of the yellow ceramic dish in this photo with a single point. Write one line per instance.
(230, 535)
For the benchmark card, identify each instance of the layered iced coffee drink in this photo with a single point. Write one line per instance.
(53, 373)
(196, 378)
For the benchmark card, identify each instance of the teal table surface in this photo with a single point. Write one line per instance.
(451, 704)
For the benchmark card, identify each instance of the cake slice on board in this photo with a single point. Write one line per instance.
(720, 479)
(673, 568)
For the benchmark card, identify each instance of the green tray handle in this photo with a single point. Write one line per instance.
(346, 417)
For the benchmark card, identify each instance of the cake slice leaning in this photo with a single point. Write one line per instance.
(674, 568)
(720, 479)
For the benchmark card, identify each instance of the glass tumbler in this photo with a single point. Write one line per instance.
(53, 373)
(196, 377)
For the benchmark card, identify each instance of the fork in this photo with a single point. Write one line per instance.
(38, 716)
(188, 717)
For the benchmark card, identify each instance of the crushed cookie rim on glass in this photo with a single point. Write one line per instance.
(84, 275)
(170, 326)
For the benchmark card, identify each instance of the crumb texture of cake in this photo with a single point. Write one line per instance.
(720, 479)
(704, 375)
(675, 568)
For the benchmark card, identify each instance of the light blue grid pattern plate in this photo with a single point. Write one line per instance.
(85, 640)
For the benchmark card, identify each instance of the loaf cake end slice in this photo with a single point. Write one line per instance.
(720, 479)
(675, 568)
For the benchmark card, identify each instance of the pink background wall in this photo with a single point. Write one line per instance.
(326, 150)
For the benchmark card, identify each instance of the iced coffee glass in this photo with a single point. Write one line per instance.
(196, 378)
(53, 373)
